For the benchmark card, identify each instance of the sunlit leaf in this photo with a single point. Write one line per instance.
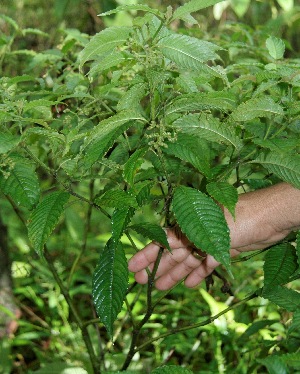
(110, 281)
(276, 47)
(209, 128)
(203, 222)
(258, 107)
(104, 42)
(187, 52)
(192, 6)
(130, 7)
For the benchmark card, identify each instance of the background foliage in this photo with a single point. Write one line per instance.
(99, 131)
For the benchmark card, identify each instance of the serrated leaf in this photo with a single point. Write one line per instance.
(110, 282)
(104, 135)
(278, 145)
(7, 142)
(141, 191)
(117, 199)
(224, 193)
(208, 128)
(119, 221)
(133, 163)
(256, 108)
(129, 7)
(187, 52)
(203, 222)
(192, 6)
(104, 42)
(285, 166)
(48, 133)
(276, 47)
(283, 297)
(291, 359)
(38, 104)
(223, 101)
(131, 98)
(279, 265)
(152, 232)
(45, 217)
(189, 149)
(171, 369)
(111, 60)
(21, 183)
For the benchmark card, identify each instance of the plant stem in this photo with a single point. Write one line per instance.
(136, 331)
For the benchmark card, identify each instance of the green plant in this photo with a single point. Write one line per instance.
(147, 120)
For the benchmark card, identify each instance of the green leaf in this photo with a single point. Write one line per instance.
(224, 193)
(298, 249)
(283, 297)
(21, 183)
(141, 191)
(295, 325)
(291, 359)
(255, 327)
(203, 222)
(109, 61)
(208, 128)
(104, 42)
(117, 199)
(255, 108)
(285, 166)
(104, 135)
(276, 47)
(45, 217)
(187, 52)
(192, 6)
(280, 264)
(274, 365)
(129, 7)
(199, 101)
(7, 142)
(152, 232)
(131, 99)
(119, 221)
(110, 282)
(132, 165)
(190, 149)
(171, 369)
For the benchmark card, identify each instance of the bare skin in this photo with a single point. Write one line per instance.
(262, 218)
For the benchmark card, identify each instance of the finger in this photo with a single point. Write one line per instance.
(141, 277)
(201, 272)
(143, 258)
(178, 272)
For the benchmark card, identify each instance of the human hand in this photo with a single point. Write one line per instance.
(175, 266)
